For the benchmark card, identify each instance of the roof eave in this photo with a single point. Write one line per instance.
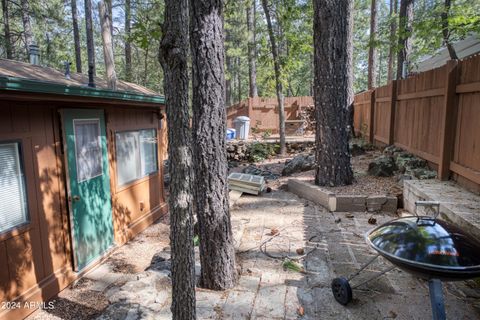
(35, 86)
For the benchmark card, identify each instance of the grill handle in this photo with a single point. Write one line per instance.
(431, 206)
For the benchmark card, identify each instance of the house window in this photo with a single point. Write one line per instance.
(136, 153)
(13, 198)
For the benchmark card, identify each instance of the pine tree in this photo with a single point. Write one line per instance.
(174, 59)
(333, 91)
(217, 255)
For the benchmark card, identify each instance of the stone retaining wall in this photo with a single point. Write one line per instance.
(342, 203)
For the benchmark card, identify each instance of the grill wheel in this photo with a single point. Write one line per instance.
(341, 290)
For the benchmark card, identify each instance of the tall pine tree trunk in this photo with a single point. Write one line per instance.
(89, 32)
(372, 51)
(239, 80)
(393, 32)
(128, 45)
(228, 82)
(217, 255)
(446, 30)
(333, 91)
(278, 77)
(106, 25)
(76, 37)
(252, 54)
(27, 27)
(174, 59)
(404, 32)
(6, 30)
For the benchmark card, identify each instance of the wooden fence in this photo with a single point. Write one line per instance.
(434, 115)
(263, 113)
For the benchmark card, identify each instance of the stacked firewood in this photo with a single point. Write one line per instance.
(307, 114)
(237, 151)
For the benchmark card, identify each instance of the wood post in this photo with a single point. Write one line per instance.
(391, 127)
(449, 120)
(371, 131)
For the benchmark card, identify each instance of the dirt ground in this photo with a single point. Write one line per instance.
(364, 184)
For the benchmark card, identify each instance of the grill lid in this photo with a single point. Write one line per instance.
(427, 241)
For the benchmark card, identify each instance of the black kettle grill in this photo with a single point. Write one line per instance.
(428, 247)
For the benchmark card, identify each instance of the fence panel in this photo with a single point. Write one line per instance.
(381, 127)
(418, 113)
(361, 114)
(466, 155)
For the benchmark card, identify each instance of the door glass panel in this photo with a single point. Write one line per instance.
(87, 149)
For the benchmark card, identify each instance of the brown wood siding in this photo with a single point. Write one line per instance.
(32, 253)
(35, 259)
(141, 199)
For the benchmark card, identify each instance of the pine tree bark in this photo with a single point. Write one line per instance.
(217, 255)
(239, 80)
(404, 41)
(27, 27)
(278, 77)
(89, 32)
(6, 30)
(174, 59)
(372, 51)
(228, 82)
(128, 45)
(252, 52)
(106, 26)
(333, 91)
(446, 30)
(76, 37)
(393, 32)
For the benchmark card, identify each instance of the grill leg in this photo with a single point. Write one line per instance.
(436, 299)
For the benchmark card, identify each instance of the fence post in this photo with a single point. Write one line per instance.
(393, 102)
(449, 120)
(371, 131)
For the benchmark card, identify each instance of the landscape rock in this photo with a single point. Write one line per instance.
(356, 149)
(424, 174)
(299, 164)
(391, 150)
(383, 166)
(268, 175)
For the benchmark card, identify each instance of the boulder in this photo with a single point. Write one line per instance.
(356, 149)
(391, 150)
(424, 173)
(383, 166)
(299, 164)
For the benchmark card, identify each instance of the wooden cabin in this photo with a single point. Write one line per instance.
(80, 174)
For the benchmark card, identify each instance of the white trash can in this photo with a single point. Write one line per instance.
(242, 127)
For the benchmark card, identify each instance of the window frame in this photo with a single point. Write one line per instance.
(23, 226)
(142, 178)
